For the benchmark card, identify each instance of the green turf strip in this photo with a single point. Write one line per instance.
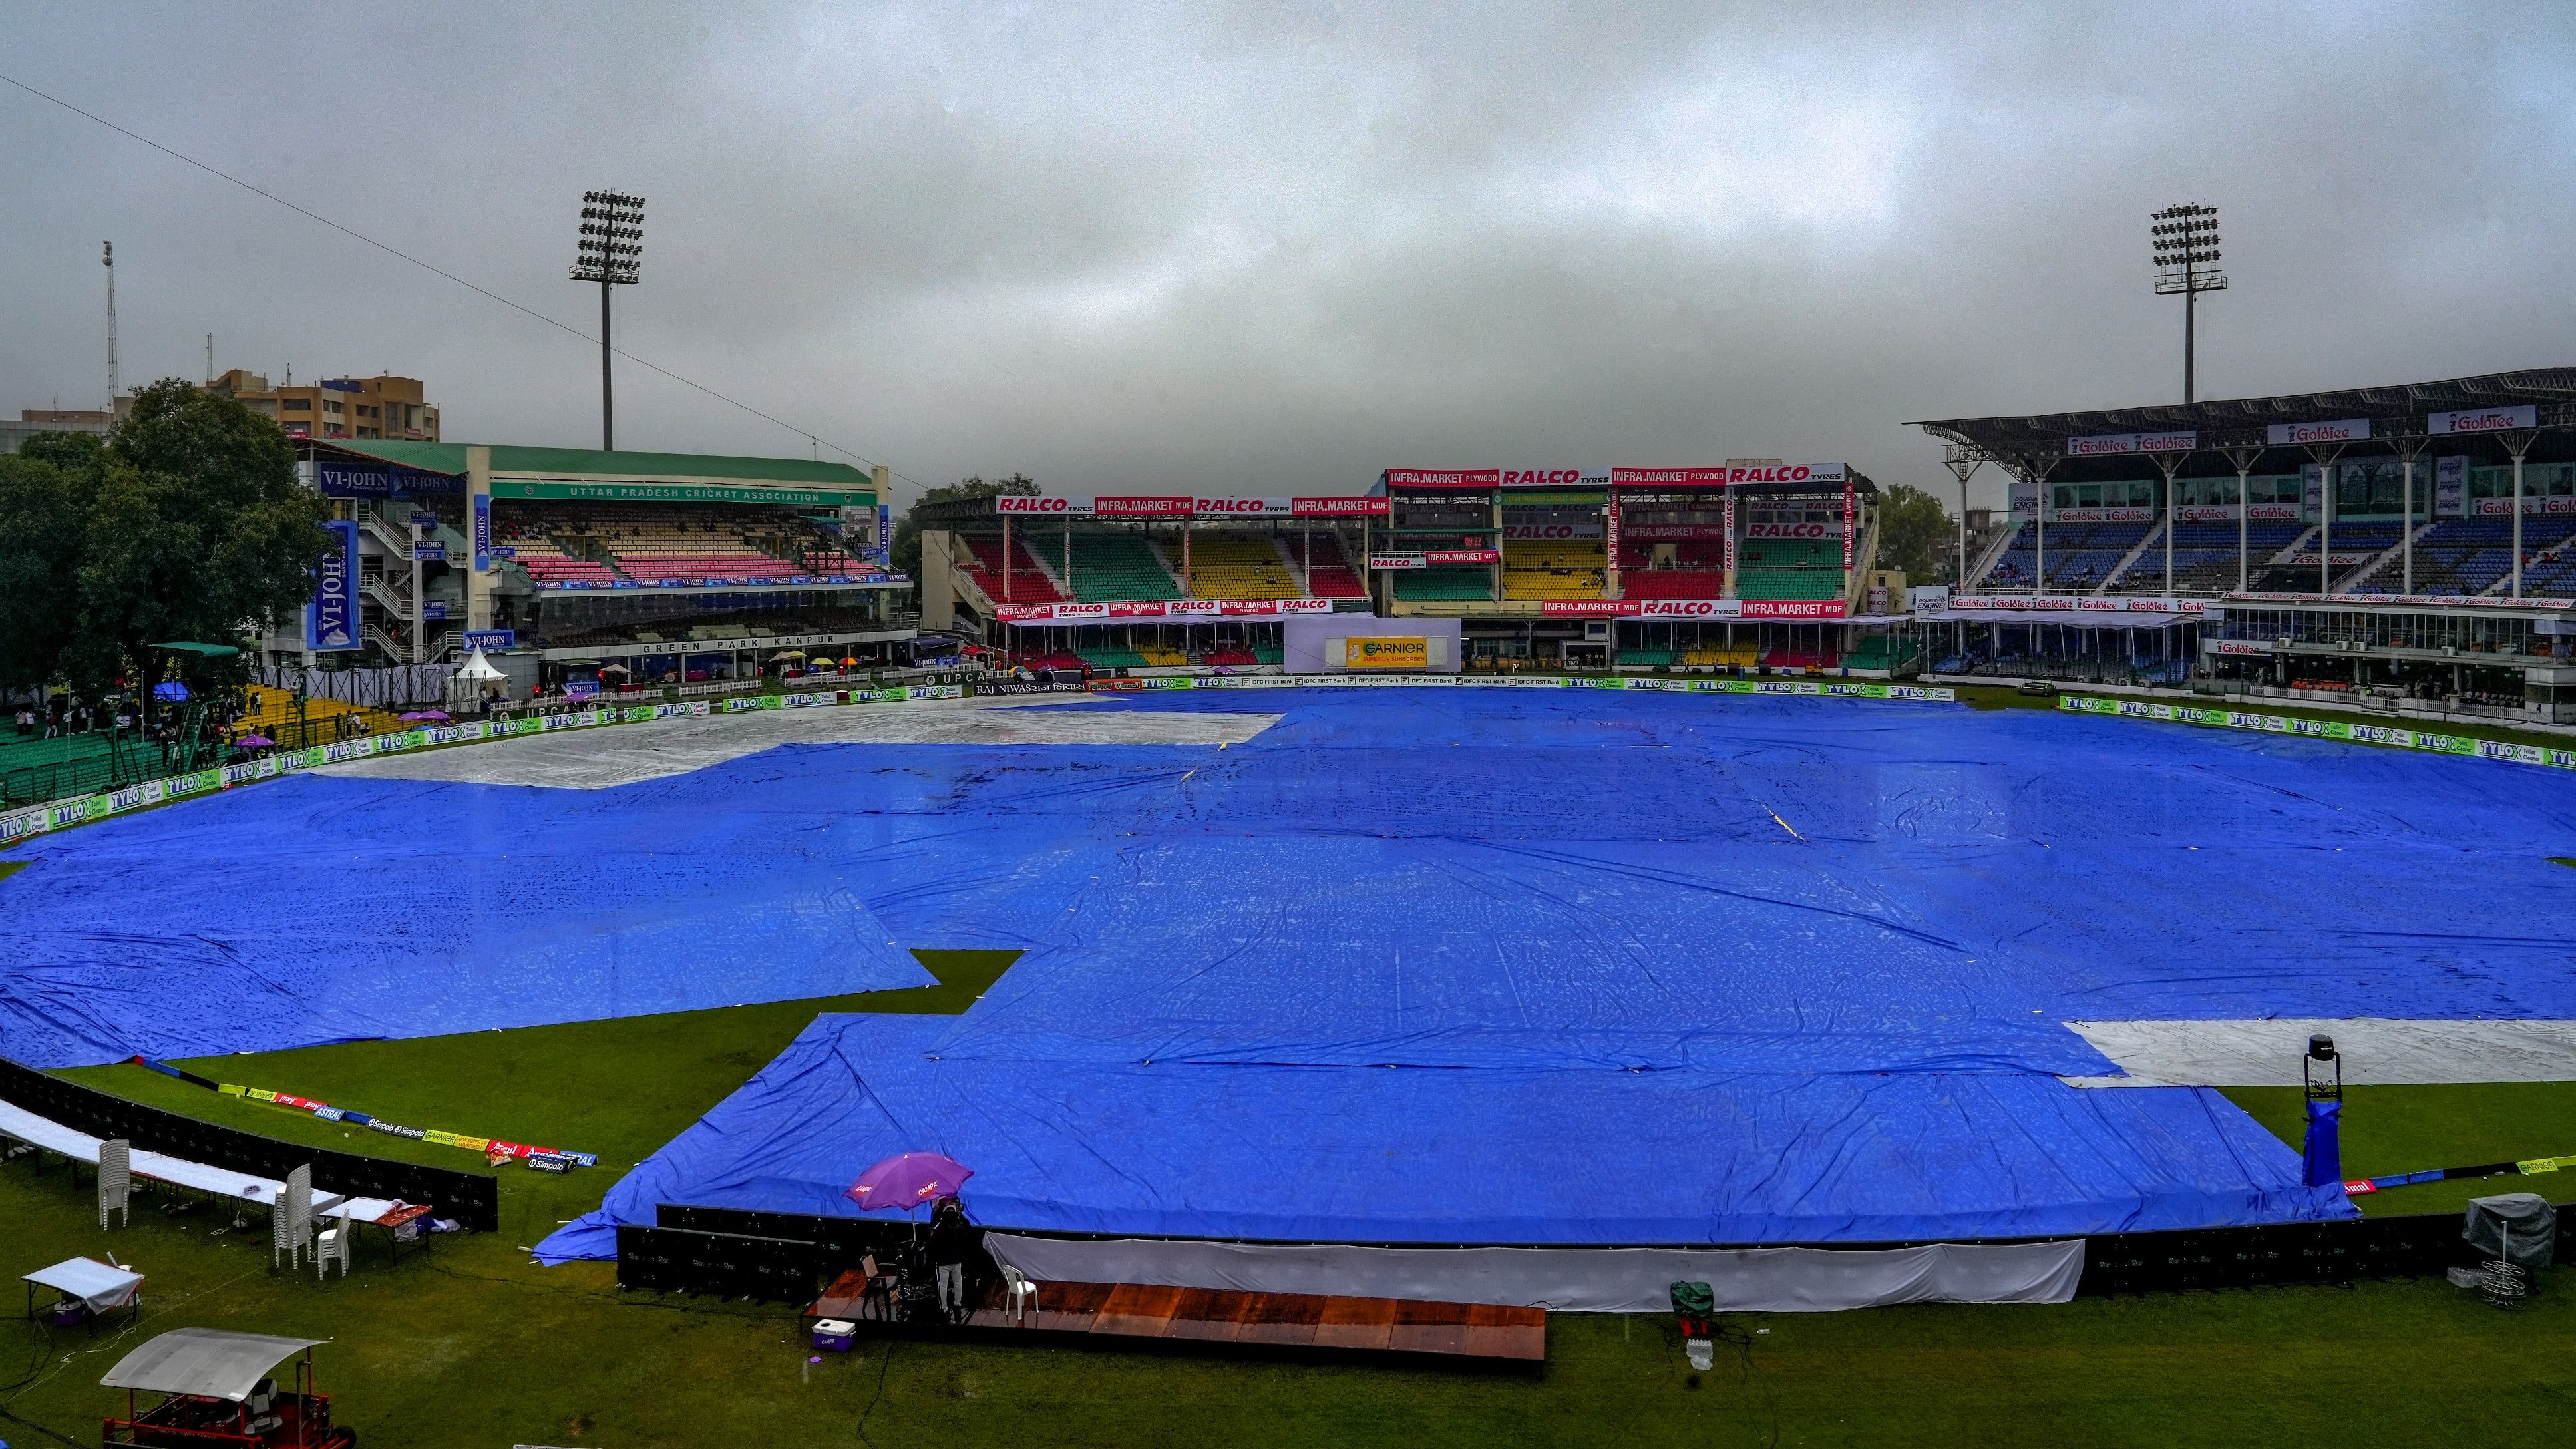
(964, 977)
(2388, 1130)
(473, 1346)
(9, 868)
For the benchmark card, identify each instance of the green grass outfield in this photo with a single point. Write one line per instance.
(474, 1346)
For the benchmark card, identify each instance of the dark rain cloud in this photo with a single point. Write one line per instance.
(1278, 246)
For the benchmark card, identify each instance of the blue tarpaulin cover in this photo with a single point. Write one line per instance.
(1412, 965)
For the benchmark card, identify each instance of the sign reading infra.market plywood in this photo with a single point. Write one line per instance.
(626, 492)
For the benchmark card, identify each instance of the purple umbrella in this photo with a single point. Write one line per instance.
(907, 1180)
(256, 742)
(439, 715)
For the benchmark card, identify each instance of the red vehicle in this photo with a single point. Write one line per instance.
(217, 1393)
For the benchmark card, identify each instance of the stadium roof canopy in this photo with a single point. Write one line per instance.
(2396, 411)
(510, 461)
(591, 474)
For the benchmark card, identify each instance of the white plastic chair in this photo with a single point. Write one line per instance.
(334, 1244)
(115, 1182)
(1022, 1292)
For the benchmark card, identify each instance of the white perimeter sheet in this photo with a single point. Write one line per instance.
(1569, 1280)
(2376, 1051)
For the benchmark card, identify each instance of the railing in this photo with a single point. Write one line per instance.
(55, 779)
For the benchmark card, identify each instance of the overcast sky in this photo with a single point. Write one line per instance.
(1276, 247)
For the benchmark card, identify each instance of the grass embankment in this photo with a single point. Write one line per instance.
(474, 1346)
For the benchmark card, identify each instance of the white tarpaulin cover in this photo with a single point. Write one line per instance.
(2375, 1051)
(90, 1281)
(1568, 1280)
(578, 760)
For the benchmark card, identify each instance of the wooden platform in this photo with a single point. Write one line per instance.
(1279, 1320)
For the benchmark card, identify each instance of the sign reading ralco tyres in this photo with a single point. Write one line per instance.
(1648, 479)
(1186, 506)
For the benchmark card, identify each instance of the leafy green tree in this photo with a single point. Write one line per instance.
(906, 549)
(196, 530)
(1916, 534)
(77, 452)
(43, 506)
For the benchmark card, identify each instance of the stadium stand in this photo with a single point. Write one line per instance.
(1881, 651)
(272, 715)
(1329, 574)
(646, 553)
(1105, 657)
(1647, 658)
(1721, 656)
(2205, 554)
(2083, 556)
(2472, 555)
(1562, 569)
(1774, 568)
(1445, 584)
(2369, 540)
(1801, 659)
(1697, 570)
(836, 561)
(1112, 567)
(1027, 583)
(547, 563)
(600, 545)
(2551, 574)
(1238, 566)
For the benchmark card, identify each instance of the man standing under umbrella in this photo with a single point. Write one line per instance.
(952, 1238)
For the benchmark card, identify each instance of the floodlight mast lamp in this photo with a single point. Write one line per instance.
(2186, 249)
(611, 253)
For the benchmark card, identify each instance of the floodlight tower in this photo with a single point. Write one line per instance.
(108, 255)
(2186, 246)
(611, 254)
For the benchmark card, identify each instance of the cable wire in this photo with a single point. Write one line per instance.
(436, 270)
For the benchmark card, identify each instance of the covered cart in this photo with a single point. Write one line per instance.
(218, 1392)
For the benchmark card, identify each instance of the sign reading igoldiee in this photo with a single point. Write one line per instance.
(2483, 420)
(2102, 445)
(2347, 430)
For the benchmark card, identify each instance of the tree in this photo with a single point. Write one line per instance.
(1916, 534)
(905, 552)
(197, 530)
(42, 508)
(76, 452)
